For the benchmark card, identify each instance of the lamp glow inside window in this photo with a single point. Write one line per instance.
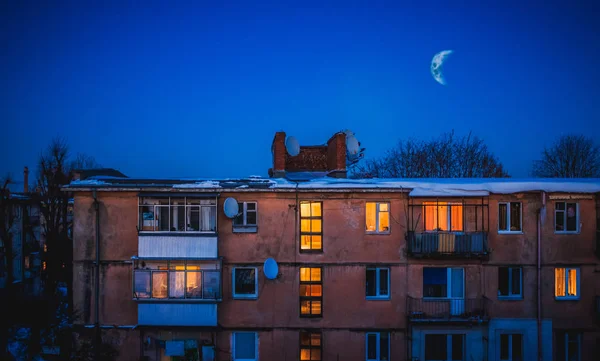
(377, 217)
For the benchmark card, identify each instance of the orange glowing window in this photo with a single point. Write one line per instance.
(443, 216)
(377, 217)
(311, 292)
(311, 226)
(311, 346)
(566, 283)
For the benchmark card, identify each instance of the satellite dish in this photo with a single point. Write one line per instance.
(352, 145)
(230, 207)
(270, 268)
(292, 146)
(348, 132)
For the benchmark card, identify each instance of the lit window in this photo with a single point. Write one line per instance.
(246, 217)
(511, 347)
(566, 283)
(171, 214)
(378, 217)
(245, 282)
(311, 292)
(443, 216)
(311, 226)
(510, 282)
(509, 217)
(311, 346)
(378, 282)
(245, 346)
(566, 217)
(378, 346)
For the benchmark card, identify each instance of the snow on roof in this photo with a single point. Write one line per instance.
(418, 187)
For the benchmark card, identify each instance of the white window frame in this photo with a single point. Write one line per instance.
(577, 216)
(508, 231)
(170, 206)
(567, 345)
(244, 215)
(244, 296)
(510, 295)
(378, 345)
(377, 211)
(448, 284)
(233, 347)
(377, 283)
(510, 343)
(567, 283)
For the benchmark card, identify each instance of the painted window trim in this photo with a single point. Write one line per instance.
(255, 347)
(569, 298)
(510, 342)
(377, 283)
(244, 296)
(511, 296)
(577, 215)
(245, 224)
(567, 345)
(448, 285)
(378, 344)
(377, 211)
(503, 231)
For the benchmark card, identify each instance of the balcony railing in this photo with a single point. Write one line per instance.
(427, 310)
(440, 244)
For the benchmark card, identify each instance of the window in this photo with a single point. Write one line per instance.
(311, 226)
(378, 217)
(566, 283)
(568, 346)
(245, 346)
(378, 283)
(443, 282)
(182, 214)
(510, 282)
(443, 216)
(311, 292)
(311, 346)
(245, 282)
(444, 347)
(378, 346)
(509, 217)
(566, 217)
(177, 280)
(511, 347)
(246, 219)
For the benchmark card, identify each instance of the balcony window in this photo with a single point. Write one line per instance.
(566, 283)
(177, 214)
(509, 217)
(377, 217)
(444, 347)
(441, 282)
(177, 280)
(443, 216)
(566, 217)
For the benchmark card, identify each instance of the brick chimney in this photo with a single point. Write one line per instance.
(279, 156)
(26, 180)
(336, 155)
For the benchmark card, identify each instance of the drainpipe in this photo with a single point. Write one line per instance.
(540, 214)
(97, 284)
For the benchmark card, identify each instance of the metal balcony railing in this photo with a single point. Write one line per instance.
(465, 309)
(442, 244)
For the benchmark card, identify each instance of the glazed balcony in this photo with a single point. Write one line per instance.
(447, 244)
(447, 309)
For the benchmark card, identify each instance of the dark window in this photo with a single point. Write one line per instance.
(311, 346)
(509, 282)
(378, 345)
(458, 348)
(377, 282)
(244, 346)
(566, 217)
(509, 217)
(244, 282)
(435, 281)
(311, 226)
(511, 347)
(311, 292)
(246, 214)
(436, 347)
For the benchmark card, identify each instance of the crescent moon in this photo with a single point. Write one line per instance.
(436, 65)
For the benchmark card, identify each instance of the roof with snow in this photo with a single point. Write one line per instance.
(459, 187)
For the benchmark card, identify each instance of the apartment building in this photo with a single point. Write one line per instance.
(382, 269)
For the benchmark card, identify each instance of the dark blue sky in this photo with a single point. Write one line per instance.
(161, 90)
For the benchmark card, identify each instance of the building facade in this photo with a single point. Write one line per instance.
(390, 269)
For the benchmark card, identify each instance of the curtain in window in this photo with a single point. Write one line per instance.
(176, 284)
(457, 282)
(206, 225)
(559, 282)
(456, 217)
(572, 282)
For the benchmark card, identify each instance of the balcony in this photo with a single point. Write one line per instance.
(447, 310)
(177, 246)
(447, 244)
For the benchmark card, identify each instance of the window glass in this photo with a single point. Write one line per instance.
(245, 345)
(245, 281)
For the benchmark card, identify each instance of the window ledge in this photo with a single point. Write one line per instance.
(245, 297)
(567, 232)
(378, 298)
(566, 298)
(311, 251)
(510, 232)
(510, 298)
(387, 233)
(177, 300)
(245, 229)
(178, 234)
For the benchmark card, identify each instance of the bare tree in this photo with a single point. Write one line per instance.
(7, 218)
(83, 161)
(571, 156)
(444, 157)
